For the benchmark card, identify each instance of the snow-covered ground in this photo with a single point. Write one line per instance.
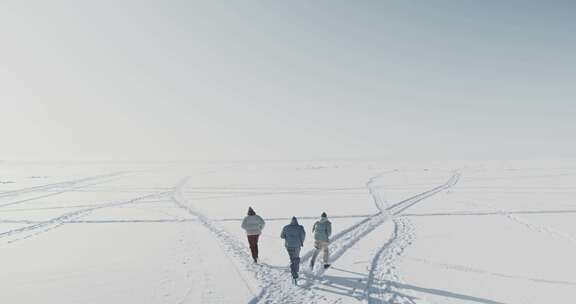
(404, 232)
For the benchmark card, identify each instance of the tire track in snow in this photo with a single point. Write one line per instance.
(275, 284)
(470, 269)
(66, 187)
(29, 231)
(12, 210)
(539, 228)
(407, 203)
(346, 239)
(381, 286)
(343, 241)
(56, 185)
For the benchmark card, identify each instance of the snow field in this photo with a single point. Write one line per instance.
(421, 232)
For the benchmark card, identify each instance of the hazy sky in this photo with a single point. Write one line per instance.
(287, 79)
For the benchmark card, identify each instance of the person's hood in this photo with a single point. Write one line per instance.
(294, 221)
(251, 211)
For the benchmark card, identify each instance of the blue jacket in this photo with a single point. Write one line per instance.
(322, 230)
(293, 234)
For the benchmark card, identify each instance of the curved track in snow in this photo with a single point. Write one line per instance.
(384, 284)
(346, 239)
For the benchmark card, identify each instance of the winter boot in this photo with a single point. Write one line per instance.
(326, 266)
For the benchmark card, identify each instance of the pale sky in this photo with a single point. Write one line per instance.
(260, 80)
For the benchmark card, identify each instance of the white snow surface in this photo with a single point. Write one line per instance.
(491, 232)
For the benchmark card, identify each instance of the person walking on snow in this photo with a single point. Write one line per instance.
(253, 224)
(322, 230)
(294, 235)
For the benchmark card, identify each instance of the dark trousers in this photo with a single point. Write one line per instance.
(294, 254)
(253, 241)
